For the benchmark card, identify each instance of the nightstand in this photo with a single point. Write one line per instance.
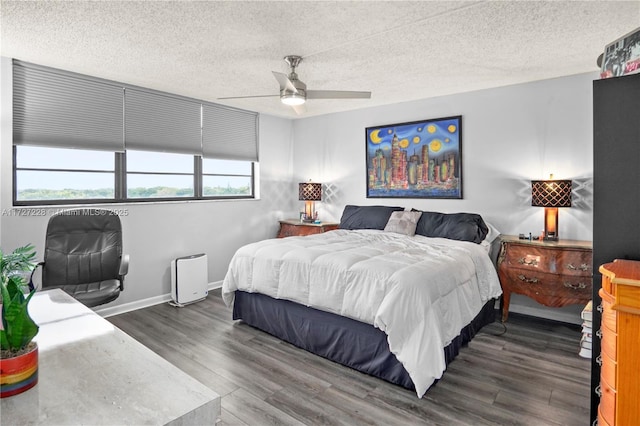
(553, 273)
(293, 227)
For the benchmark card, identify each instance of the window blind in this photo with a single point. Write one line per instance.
(229, 133)
(161, 122)
(55, 108)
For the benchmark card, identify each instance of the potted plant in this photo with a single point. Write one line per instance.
(18, 353)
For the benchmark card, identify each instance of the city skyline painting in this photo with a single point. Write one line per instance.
(419, 159)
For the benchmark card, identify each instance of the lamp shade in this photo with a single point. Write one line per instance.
(310, 191)
(551, 193)
(292, 99)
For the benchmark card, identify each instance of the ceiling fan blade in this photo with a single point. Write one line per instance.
(337, 94)
(299, 109)
(254, 96)
(284, 82)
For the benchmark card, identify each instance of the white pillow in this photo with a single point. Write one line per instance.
(491, 235)
(403, 222)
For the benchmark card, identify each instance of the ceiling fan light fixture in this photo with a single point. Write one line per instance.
(293, 92)
(292, 99)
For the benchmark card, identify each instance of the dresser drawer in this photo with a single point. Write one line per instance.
(608, 371)
(575, 262)
(609, 343)
(530, 257)
(609, 318)
(607, 406)
(528, 282)
(288, 229)
(601, 419)
(553, 260)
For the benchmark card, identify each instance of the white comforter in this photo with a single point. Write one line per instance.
(420, 291)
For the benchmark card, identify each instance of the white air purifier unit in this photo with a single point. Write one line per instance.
(189, 279)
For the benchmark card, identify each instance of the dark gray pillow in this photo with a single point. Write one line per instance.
(454, 226)
(366, 217)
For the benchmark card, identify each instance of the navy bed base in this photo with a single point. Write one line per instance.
(343, 340)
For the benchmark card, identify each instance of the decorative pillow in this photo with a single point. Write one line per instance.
(454, 226)
(403, 222)
(492, 234)
(366, 217)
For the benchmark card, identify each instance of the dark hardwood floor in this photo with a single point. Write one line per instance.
(530, 375)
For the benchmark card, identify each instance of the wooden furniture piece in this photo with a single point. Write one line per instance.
(91, 372)
(620, 331)
(293, 227)
(553, 273)
(616, 176)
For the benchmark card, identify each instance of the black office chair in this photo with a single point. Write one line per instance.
(83, 255)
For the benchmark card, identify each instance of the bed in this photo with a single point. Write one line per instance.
(392, 293)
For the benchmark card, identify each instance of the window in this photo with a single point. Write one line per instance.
(227, 178)
(55, 174)
(159, 175)
(74, 176)
(81, 139)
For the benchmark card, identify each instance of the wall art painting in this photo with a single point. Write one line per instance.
(622, 57)
(420, 159)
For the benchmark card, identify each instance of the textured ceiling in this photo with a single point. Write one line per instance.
(398, 50)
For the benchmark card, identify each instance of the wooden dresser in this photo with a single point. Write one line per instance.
(620, 331)
(553, 273)
(293, 227)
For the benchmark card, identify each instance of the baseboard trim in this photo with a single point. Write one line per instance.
(144, 303)
(541, 320)
(553, 315)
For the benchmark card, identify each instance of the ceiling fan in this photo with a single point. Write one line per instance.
(293, 92)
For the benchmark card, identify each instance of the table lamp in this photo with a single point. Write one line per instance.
(551, 194)
(309, 192)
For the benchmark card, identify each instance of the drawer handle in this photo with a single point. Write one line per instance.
(600, 308)
(598, 391)
(584, 267)
(578, 286)
(527, 280)
(599, 360)
(528, 261)
(599, 333)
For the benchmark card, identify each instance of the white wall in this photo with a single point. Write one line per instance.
(511, 135)
(155, 233)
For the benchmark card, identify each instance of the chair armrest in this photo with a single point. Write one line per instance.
(32, 286)
(124, 269)
(124, 265)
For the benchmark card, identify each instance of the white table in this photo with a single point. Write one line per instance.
(91, 372)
